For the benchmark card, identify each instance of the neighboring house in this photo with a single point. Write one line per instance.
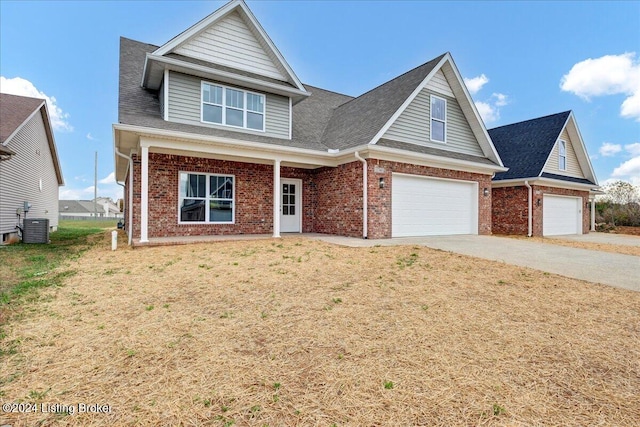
(217, 135)
(30, 170)
(104, 208)
(550, 182)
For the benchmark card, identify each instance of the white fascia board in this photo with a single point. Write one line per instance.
(52, 143)
(232, 146)
(177, 65)
(406, 103)
(547, 182)
(393, 154)
(585, 155)
(467, 96)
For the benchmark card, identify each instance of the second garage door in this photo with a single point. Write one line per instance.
(561, 215)
(433, 207)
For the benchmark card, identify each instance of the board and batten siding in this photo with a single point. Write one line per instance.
(413, 125)
(20, 177)
(184, 105)
(573, 167)
(230, 42)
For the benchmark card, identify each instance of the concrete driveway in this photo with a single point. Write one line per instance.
(618, 270)
(609, 238)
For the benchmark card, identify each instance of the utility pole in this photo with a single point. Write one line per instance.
(95, 189)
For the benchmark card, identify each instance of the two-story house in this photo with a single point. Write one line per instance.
(217, 135)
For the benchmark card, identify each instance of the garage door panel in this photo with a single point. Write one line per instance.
(561, 215)
(426, 206)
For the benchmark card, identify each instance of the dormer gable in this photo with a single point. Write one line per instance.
(229, 46)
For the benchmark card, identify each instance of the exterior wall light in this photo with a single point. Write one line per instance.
(485, 191)
(381, 182)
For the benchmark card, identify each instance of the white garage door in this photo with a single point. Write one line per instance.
(432, 207)
(561, 215)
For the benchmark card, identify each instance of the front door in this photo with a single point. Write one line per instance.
(290, 206)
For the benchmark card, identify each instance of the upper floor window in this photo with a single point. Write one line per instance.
(562, 155)
(438, 119)
(232, 107)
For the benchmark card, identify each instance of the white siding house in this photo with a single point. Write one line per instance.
(31, 173)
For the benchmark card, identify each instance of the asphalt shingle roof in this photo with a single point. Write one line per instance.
(14, 110)
(525, 146)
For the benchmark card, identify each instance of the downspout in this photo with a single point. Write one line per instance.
(130, 198)
(530, 207)
(364, 195)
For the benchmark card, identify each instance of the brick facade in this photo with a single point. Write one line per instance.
(331, 197)
(510, 208)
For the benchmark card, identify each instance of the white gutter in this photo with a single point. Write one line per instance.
(530, 207)
(364, 195)
(130, 198)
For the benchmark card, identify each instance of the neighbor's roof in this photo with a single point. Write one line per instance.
(78, 206)
(14, 111)
(524, 147)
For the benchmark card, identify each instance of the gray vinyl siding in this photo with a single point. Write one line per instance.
(573, 167)
(184, 105)
(230, 42)
(20, 176)
(413, 125)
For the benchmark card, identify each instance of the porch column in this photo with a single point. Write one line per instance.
(276, 198)
(593, 214)
(144, 195)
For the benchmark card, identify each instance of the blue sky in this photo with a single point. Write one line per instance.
(522, 60)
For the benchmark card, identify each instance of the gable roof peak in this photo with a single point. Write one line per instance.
(562, 115)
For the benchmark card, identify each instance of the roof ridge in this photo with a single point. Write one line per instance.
(328, 90)
(531, 120)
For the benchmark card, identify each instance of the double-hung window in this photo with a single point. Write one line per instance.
(562, 155)
(206, 198)
(232, 107)
(438, 119)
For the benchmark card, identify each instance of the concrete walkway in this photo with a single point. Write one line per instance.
(618, 270)
(609, 238)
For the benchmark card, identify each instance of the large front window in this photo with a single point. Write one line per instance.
(438, 119)
(232, 107)
(206, 198)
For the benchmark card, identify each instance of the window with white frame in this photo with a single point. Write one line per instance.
(562, 155)
(232, 107)
(438, 119)
(206, 198)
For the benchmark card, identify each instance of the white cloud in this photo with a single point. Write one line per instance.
(607, 75)
(23, 87)
(608, 149)
(109, 179)
(91, 137)
(488, 112)
(630, 168)
(633, 149)
(500, 99)
(475, 84)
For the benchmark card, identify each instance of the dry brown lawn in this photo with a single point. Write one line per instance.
(296, 332)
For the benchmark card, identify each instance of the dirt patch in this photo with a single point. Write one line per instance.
(295, 332)
(604, 247)
(627, 230)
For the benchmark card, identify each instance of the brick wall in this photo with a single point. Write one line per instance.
(380, 199)
(510, 209)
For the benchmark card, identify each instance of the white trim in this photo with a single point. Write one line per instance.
(276, 198)
(298, 205)
(224, 107)
(546, 182)
(144, 195)
(207, 199)
(562, 143)
(166, 95)
(290, 117)
(365, 196)
(184, 67)
(431, 119)
(582, 145)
